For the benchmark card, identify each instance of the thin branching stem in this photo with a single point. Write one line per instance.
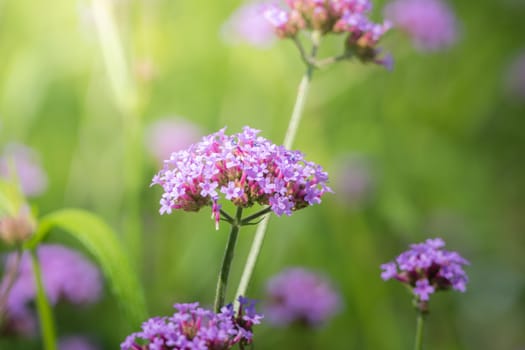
(289, 138)
(227, 217)
(248, 220)
(330, 60)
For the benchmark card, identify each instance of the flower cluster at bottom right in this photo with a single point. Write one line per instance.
(428, 268)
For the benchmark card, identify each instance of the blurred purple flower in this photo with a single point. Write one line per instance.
(195, 328)
(245, 167)
(169, 135)
(428, 268)
(431, 24)
(247, 24)
(354, 181)
(76, 342)
(515, 79)
(33, 179)
(66, 275)
(297, 295)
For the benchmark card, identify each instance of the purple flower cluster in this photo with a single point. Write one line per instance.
(297, 295)
(332, 16)
(195, 328)
(66, 275)
(427, 268)
(244, 168)
(431, 24)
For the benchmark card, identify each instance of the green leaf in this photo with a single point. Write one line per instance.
(101, 241)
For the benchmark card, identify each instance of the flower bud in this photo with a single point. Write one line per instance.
(17, 228)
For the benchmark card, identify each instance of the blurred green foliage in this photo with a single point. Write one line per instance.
(445, 141)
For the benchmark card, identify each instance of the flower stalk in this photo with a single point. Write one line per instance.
(222, 281)
(289, 138)
(419, 330)
(45, 313)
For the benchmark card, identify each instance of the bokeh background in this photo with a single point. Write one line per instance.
(434, 148)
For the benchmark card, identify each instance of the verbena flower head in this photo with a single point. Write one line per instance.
(297, 295)
(66, 275)
(247, 24)
(428, 268)
(243, 168)
(193, 327)
(23, 161)
(348, 17)
(168, 135)
(431, 24)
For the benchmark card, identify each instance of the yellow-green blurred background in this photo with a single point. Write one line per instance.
(443, 140)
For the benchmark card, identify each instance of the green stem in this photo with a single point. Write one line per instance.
(45, 313)
(247, 220)
(289, 138)
(227, 217)
(330, 60)
(419, 331)
(10, 277)
(222, 281)
(302, 93)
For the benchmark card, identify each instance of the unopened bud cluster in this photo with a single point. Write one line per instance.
(332, 16)
(18, 227)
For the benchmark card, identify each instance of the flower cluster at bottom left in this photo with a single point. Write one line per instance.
(67, 275)
(193, 327)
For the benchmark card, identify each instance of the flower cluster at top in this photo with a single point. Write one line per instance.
(66, 274)
(332, 16)
(246, 169)
(427, 268)
(297, 295)
(195, 328)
